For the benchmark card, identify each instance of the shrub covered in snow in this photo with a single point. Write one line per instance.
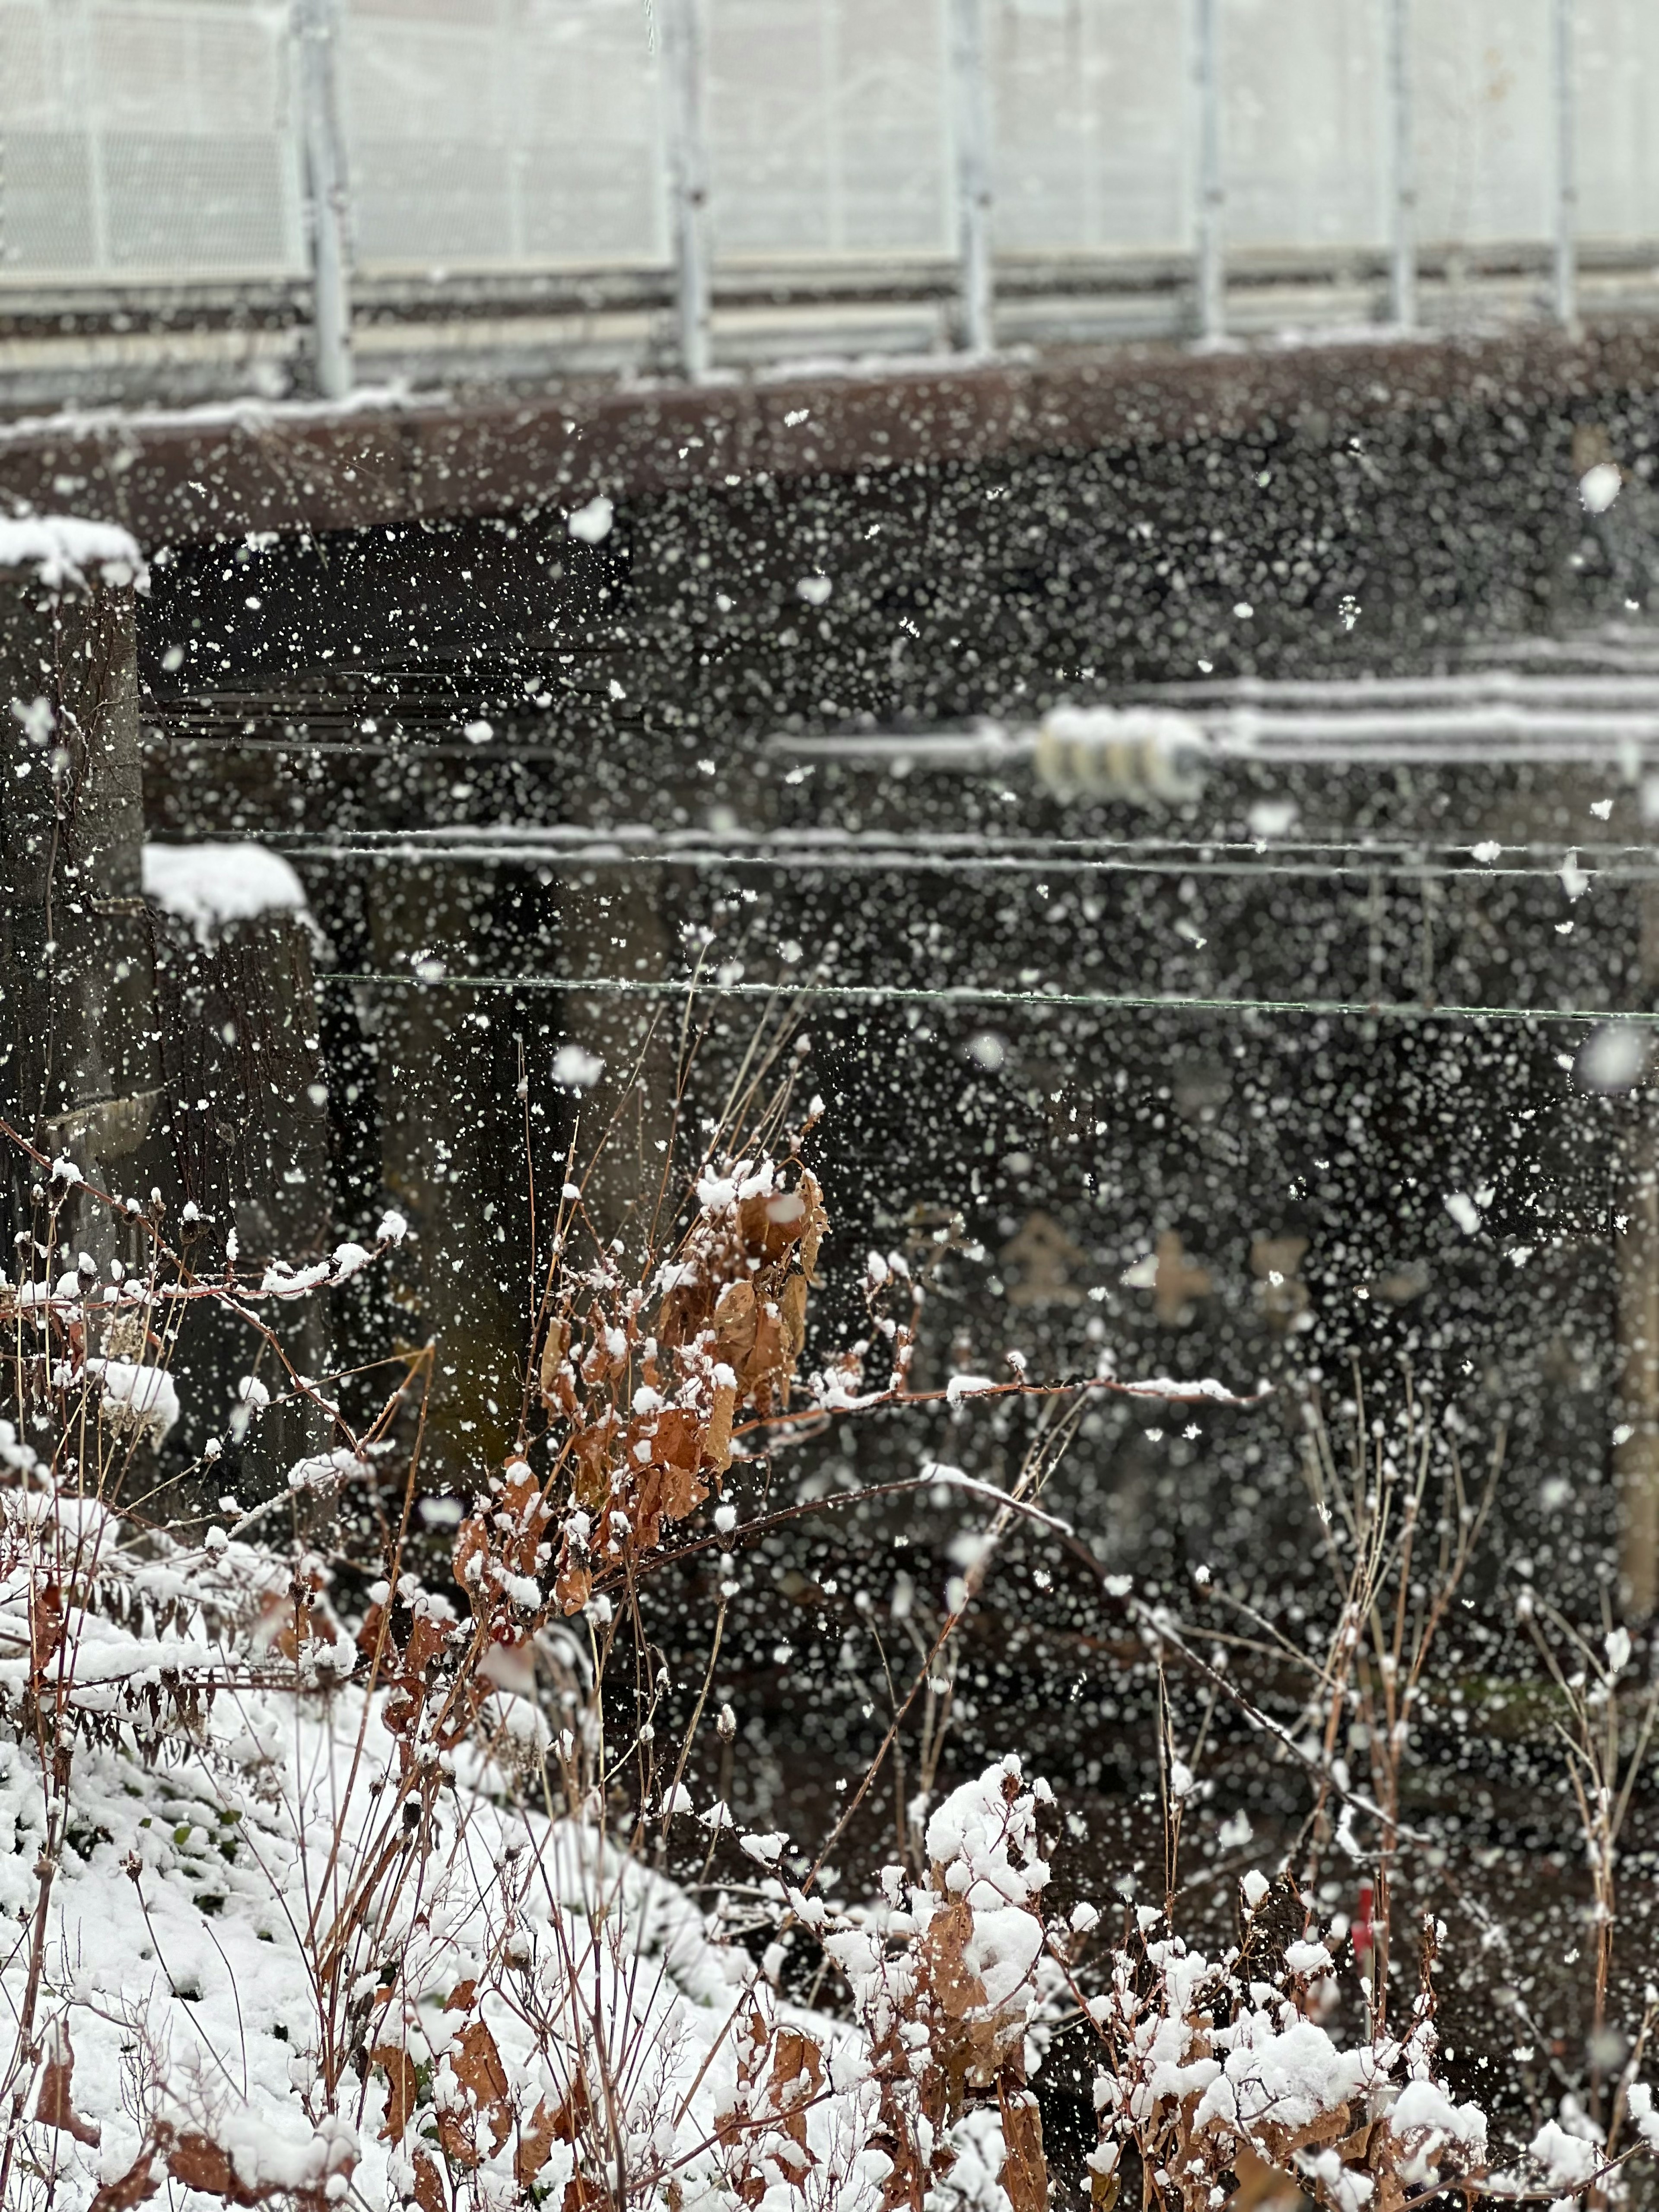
(321, 1901)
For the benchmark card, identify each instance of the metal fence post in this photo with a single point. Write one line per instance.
(1212, 273)
(971, 132)
(328, 201)
(1402, 259)
(681, 54)
(1566, 172)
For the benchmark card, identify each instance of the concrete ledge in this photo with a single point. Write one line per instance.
(385, 459)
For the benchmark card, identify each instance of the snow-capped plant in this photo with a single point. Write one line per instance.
(1210, 2059)
(342, 1881)
(943, 1976)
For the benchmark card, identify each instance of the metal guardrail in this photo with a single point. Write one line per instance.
(696, 153)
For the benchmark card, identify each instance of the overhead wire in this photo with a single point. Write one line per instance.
(955, 855)
(970, 994)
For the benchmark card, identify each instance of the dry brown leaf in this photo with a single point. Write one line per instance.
(461, 1997)
(429, 2186)
(1324, 2128)
(400, 1714)
(403, 2086)
(426, 1639)
(735, 1317)
(770, 1223)
(791, 1308)
(957, 1990)
(907, 2181)
(574, 1583)
(765, 1374)
(575, 2113)
(1024, 2175)
(675, 1440)
(685, 1311)
(679, 1453)
(135, 2186)
(797, 2056)
(479, 2068)
(717, 1437)
(682, 1493)
(796, 2078)
(601, 1364)
(748, 2048)
(572, 2120)
(369, 1638)
(53, 2107)
(591, 1449)
(814, 1227)
(471, 1553)
(534, 2145)
(645, 1519)
(1258, 2184)
(46, 1627)
(200, 2163)
(1354, 2149)
(735, 2126)
(455, 2140)
(557, 1394)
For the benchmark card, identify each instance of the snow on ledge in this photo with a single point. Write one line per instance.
(211, 885)
(244, 411)
(61, 548)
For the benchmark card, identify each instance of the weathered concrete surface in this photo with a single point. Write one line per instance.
(174, 478)
(996, 538)
(158, 1064)
(78, 1065)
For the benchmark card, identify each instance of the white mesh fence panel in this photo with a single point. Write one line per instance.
(157, 137)
(1090, 125)
(1484, 115)
(141, 139)
(827, 127)
(1303, 125)
(503, 134)
(1616, 55)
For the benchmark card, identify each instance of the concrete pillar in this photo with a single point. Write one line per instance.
(1636, 1456)
(452, 1153)
(247, 1133)
(154, 1060)
(79, 1070)
(612, 924)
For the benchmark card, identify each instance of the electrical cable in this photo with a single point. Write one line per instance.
(970, 994)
